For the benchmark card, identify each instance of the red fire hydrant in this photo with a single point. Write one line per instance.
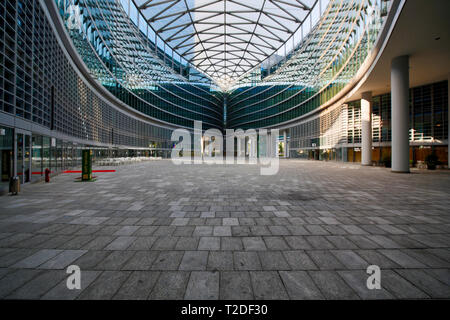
(47, 175)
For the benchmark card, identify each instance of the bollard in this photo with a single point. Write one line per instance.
(47, 175)
(14, 185)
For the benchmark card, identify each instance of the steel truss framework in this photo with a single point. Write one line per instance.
(225, 38)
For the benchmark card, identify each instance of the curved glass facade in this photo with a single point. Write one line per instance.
(121, 58)
(42, 87)
(327, 61)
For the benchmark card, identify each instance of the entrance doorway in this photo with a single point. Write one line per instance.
(7, 153)
(23, 156)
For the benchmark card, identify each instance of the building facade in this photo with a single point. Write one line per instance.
(78, 74)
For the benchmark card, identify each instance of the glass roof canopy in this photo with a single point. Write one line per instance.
(225, 39)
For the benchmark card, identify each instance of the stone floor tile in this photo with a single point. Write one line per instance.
(16, 279)
(300, 286)
(399, 286)
(299, 260)
(298, 243)
(220, 260)
(325, 260)
(341, 242)
(138, 286)
(230, 221)
(253, 244)
(194, 260)
(276, 243)
(105, 286)
(203, 285)
(143, 243)
(171, 285)
(427, 258)
(373, 257)
(63, 259)
(384, 241)
(434, 288)
(267, 285)
(141, 260)
(165, 243)
(332, 286)
(187, 243)
(350, 259)
(38, 286)
(273, 260)
(15, 256)
(61, 292)
(90, 259)
(401, 258)
(357, 280)
(201, 231)
(234, 244)
(126, 231)
(115, 260)
(37, 259)
(120, 243)
(167, 260)
(319, 242)
(222, 231)
(209, 243)
(235, 285)
(442, 275)
(246, 261)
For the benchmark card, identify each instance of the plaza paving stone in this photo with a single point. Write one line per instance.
(162, 231)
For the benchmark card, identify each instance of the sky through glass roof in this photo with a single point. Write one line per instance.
(225, 39)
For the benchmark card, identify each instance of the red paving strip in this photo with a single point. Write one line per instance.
(79, 171)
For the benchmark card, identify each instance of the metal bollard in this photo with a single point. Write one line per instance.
(47, 175)
(14, 185)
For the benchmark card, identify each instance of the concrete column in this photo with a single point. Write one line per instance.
(448, 126)
(240, 146)
(400, 113)
(274, 144)
(366, 129)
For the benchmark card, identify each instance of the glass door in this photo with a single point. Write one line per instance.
(7, 153)
(27, 158)
(23, 156)
(19, 156)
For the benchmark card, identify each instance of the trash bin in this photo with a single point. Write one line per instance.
(14, 185)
